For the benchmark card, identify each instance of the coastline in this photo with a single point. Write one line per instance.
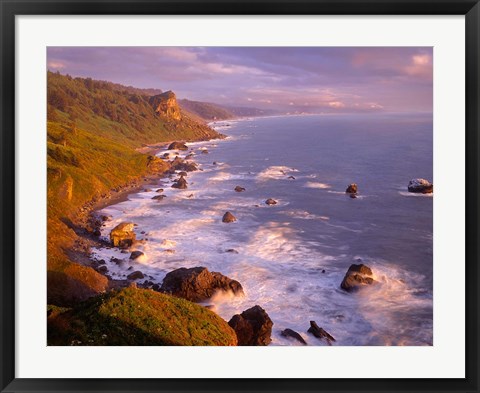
(87, 220)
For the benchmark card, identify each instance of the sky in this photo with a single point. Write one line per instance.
(290, 79)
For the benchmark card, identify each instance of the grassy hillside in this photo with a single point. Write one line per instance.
(206, 110)
(93, 129)
(125, 116)
(134, 316)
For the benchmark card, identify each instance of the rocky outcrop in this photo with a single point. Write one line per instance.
(197, 284)
(293, 334)
(228, 217)
(166, 105)
(177, 146)
(420, 186)
(136, 254)
(320, 333)
(156, 165)
(179, 164)
(66, 189)
(123, 235)
(352, 189)
(137, 275)
(356, 277)
(239, 189)
(180, 183)
(270, 202)
(253, 327)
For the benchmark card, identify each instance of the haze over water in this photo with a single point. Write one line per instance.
(315, 227)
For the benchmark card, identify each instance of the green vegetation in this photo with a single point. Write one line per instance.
(93, 129)
(134, 316)
(122, 114)
(206, 110)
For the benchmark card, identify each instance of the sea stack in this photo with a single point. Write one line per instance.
(420, 186)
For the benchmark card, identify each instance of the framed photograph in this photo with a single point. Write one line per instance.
(239, 196)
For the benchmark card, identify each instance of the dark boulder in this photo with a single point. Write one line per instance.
(197, 284)
(352, 189)
(159, 190)
(137, 275)
(293, 334)
(181, 165)
(228, 217)
(177, 146)
(253, 327)
(356, 277)
(320, 333)
(180, 183)
(239, 189)
(420, 186)
(136, 254)
(159, 197)
(270, 201)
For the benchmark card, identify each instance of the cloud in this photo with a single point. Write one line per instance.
(311, 78)
(55, 65)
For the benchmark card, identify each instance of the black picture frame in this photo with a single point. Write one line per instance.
(11, 8)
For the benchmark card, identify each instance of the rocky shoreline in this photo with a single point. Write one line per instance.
(198, 284)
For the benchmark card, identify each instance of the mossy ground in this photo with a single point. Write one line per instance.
(133, 316)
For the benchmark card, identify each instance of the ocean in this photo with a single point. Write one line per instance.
(291, 257)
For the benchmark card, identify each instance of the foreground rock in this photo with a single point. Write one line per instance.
(320, 333)
(197, 284)
(179, 164)
(270, 201)
(136, 254)
(239, 189)
(159, 197)
(123, 235)
(158, 319)
(253, 327)
(352, 189)
(420, 186)
(180, 183)
(228, 217)
(137, 275)
(356, 277)
(177, 146)
(293, 334)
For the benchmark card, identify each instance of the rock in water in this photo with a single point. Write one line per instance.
(177, 146)
(197, 284)
(293, 334)
(135, 275)
(320, 333)
(122, 235)
(179, 164)
(253, 327)
(181, 183)
(228, 217)
(352, 189)
(420, 186)
(357, 276)
(136, 254)
(239, 189)
(270, 201)
(159, 197)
